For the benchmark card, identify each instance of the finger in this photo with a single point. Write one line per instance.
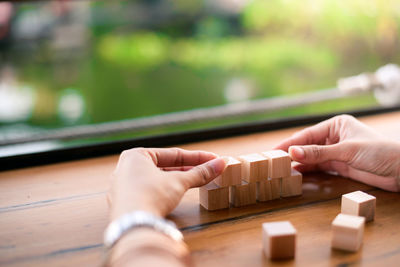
(179, 168)
(316, 134)
(316, 154)
(174, 157)
(203, 174)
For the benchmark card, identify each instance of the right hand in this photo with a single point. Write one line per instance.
(346, 146)
(155, 179)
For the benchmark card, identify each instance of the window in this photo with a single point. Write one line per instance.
(85, 63)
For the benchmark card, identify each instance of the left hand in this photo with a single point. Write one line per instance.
(155, 179)
(349, 148)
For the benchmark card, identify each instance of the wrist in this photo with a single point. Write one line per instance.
(147, 247)
(144, 237)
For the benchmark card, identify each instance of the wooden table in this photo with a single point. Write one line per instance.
(55, 215)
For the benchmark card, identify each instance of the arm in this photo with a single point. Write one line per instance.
(346, 146)
(154, 180)
(146, 247)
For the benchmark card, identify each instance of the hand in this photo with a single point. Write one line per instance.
(155, 179)
(346, 146)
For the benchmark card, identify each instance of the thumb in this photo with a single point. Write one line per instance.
(315, 154)
(204, 173)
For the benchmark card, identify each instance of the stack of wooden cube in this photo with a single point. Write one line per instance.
(251, 178)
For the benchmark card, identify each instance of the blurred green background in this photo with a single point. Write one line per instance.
(66, 63)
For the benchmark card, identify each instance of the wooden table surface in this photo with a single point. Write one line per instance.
(55, 215)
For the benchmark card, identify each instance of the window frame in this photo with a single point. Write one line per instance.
(115, 147)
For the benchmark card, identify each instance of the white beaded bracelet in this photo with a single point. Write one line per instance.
(117, 228)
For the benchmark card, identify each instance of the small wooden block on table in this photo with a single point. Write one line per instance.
(279, 163)
(213, 197)
(254, 167)
(292, 185)
(360, 204)
(279, 240)
(242, 195)
(231, 175)
(268, 189)
(347, 232)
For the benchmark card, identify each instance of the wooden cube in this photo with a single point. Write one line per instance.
(231, 175)
(268, 189)
(242, 195)
(360, 204)
(254, 167)
(279, 163)
(279, 240)
(213, 197)
(292, 185)
(347, 232)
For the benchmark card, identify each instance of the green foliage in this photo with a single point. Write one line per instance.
(158, 65)
(141, 50)
(355, 18)
(250, 54)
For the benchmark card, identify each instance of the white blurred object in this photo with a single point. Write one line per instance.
(16, 104)
(21, 149)
(355, 84)
(385, 83)
(71, 106)
(238, 90)
(16, 101)
(32, 24)
(388, 77)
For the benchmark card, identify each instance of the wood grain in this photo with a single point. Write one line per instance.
(239, 242)
(279, 163)
(231, 174)
(213, 197)
(243, 195)
(254, 167)
(279, 240)
(360, 204)
(55, 215)
(347, 232)
(268, 189)
(292, 185)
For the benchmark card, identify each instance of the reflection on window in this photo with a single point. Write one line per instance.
(68, 63)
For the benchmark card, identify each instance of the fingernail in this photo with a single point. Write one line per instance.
(218, 165)
(226, 159)
(296, 152)
(214, 154)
